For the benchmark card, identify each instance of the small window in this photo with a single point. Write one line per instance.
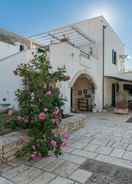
(21, 48)
(114, 57)
(91, 51)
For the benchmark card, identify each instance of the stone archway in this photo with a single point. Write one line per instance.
(82, 93)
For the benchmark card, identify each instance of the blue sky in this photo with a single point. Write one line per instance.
(28, 17)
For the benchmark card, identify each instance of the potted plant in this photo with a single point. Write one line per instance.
(122, 103)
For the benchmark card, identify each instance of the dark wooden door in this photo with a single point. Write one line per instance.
(113, 95)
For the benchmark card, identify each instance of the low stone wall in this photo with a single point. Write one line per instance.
(13, 142)
(73, 123)
(10, 144)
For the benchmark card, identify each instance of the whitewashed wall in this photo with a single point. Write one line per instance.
(63, 54)
(7, 49)
(112, 41)
(8, 81)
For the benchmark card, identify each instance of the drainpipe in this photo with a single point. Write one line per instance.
(103, 60)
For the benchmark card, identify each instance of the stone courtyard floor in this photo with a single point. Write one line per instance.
(94, 155)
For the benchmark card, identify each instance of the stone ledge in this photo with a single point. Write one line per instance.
(10, 144)
(73, 123)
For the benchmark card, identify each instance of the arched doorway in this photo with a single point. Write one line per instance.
(82, 94)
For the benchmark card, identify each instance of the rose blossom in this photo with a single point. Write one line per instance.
(49, 93)
(42, 116)
(66, 135)
(63, 144)
(53, 143)
(36, 157)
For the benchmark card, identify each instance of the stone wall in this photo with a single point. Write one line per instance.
(73, 123)
(10, 144)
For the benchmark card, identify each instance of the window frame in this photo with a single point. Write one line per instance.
(114, 57)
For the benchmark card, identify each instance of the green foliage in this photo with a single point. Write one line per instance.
(6, 125)
(13, 124)
(40, 102)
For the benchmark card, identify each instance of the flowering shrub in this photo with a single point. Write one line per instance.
(40, 107)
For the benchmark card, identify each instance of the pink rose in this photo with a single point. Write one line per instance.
(53, 143)
(63, 144)
(42, 116)
(36, 157)
(49, 93)
(66, 135)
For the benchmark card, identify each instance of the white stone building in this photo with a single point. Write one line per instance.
(94, 58)
(14, 50)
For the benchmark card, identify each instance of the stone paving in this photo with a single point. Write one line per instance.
(106, 138)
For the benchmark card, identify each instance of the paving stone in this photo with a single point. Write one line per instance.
(44, 178)
(128, 155)
(68, 149)
(122, 146)
(66, 169)
(115, 161)
(104, 150)
(53, 165)
(48, 164)
(104, 173)
(117, 153)
(27, 176)
(91, 147)
(60, 180)
(129, 148)
(4, 181)
(84, 153)
(100, 179)
(111, 143)
(74, 158)
(81, 175)
(80, 145)
(13, 172)
(42, 163)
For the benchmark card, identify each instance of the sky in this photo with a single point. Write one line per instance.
(29, 17)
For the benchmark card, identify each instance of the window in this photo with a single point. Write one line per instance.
(114, 57)
(91, 51)
(21, 48)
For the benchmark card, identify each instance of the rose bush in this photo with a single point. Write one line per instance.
(40, 105)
